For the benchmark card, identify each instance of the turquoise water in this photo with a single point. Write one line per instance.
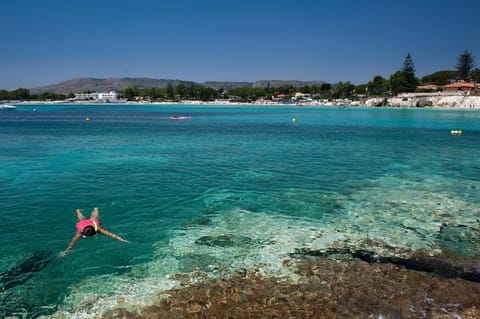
(250, 176)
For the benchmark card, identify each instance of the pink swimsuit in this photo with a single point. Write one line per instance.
(87, 222)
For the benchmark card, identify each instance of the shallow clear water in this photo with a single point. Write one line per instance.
(234, 187)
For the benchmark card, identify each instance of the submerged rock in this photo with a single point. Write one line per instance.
(438, 265)
(196, 262)
(461, 238)
(325, 289)
(200, 221)
(226, 240)
(21, 273)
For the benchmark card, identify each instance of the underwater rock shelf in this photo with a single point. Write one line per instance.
(21, 273)
(325, 289)
(469, 270)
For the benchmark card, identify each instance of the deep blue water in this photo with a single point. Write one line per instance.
(247, 171)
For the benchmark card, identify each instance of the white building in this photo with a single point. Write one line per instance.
(110, 96)
(302, 96)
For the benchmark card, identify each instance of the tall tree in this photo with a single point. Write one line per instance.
(404, 80)
(465, 65)
(408, 71)
(408, 67)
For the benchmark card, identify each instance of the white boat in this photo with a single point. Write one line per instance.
(7, 107)
(175, 117)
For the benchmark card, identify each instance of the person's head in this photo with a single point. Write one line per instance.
(89, 231)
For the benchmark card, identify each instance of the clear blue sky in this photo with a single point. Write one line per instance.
(45, 42)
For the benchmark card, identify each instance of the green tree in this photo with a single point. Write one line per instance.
(398, 83)
(342, 90)
(404, 80)
(361, 89)
(439, 78)
(170, 92)
(408, 70)
(325, 87)
(129, 93)
(243, 93)
(20, 94)
(377, 87)
(465, 65)
(476, 75)
(408, 67)
(4, 95)
(205, 94)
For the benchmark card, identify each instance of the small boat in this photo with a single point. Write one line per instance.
(175, 117)
(7, 107)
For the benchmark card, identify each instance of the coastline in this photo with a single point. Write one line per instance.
(428, 101)
(402, 101)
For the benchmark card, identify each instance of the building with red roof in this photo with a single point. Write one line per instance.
(459, 86)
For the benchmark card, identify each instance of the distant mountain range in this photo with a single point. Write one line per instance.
(117, 84)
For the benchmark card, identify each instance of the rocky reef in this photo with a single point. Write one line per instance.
(325, 288)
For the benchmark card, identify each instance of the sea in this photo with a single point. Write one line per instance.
(223, 189)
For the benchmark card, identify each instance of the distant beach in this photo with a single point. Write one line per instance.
(407, 100)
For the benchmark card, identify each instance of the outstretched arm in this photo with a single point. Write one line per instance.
(72, 243)
(109, 234)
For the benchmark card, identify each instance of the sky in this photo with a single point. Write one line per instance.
(44, 42)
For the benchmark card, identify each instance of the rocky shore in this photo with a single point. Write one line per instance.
(403, 100)
(325, 289)
(436, 101)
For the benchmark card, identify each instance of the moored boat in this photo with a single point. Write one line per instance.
(175, 117)
(7, 107)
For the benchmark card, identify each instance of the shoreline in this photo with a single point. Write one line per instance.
(451, 108)
(456, 102)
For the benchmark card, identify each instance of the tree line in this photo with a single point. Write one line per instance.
(403, 80)
(23, 94)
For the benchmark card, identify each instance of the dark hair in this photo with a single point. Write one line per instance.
(89, 231)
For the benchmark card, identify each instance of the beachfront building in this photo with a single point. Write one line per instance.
(110, 96)
(302, 96)
(459, 87)
(427, 88)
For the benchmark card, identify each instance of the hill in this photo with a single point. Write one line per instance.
(278, 83)
(104, 85)
(117, 84)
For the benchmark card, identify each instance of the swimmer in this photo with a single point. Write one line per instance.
(89, 227)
